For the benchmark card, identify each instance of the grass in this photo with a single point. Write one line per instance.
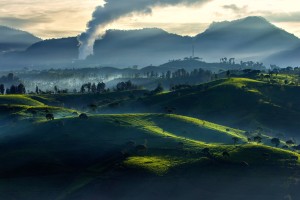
(96, 148)
(241, 103)
(33, 113)
(89, 147)
(109, 132)
(18, 100)
(83, 100)
(239, 82)
(216, 127)
(153, 164)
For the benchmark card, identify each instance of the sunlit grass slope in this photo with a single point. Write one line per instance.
(11, 113)
(236, 102)
(61, 142)
(90, 148)
(18, 100)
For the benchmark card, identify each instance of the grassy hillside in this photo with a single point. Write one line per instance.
(72, 155)
(18, 100)
(83, 101)
(20, 107)
(87, 150)
(237, 102)
(101, 134)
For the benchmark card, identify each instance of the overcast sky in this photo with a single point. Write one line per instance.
(61, 18)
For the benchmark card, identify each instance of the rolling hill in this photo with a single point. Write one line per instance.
(236, 102)
(81, 153)
(77, 158)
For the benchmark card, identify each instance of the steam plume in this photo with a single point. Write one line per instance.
(114, 10)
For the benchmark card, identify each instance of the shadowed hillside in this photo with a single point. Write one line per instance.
(236, 102)
(107, 146)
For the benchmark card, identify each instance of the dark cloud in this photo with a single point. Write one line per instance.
(236, 9)
(116, 9)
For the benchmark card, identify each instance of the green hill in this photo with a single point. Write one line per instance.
(236, 102)
(83, 101)
(72, 154)
(20, 107)
(101, 134)
(18, 100)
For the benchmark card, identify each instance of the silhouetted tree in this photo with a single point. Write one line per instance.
(101, 87)
(123, 86)
(13, 89)
(82, 89)
(21, 89)
(94, 88)
(55, 89)
(275, 141)
(257, 139)
(290, 142)
(83, 116)
(2, 89)
(89, 86)
(49, 116)
(158, 89)
(228, 73)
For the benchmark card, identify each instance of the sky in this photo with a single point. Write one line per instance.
(63, 18)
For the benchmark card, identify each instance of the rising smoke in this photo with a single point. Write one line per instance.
(114, 10)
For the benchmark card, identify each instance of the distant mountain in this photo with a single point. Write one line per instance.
(251, 38)
(140, 47)
(285, 58)
(12, 39)
(44, 54)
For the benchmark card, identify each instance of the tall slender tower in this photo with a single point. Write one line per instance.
(193, 51)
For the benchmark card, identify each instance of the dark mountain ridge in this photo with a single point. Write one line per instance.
(13, 39)
(251, 38)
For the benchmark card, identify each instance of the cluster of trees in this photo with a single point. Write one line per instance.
(180, 73)
(123, 86)
(251, 64)
(157, 90)
(290, 70)
(225, 60)
(19, 89)
(243, 64)
(93, 88)
(101, 87)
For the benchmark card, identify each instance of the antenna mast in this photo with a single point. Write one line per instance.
(193, 51)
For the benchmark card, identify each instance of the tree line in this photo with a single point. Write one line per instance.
(18, 89)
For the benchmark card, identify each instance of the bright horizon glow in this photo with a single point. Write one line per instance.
(63, 18)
